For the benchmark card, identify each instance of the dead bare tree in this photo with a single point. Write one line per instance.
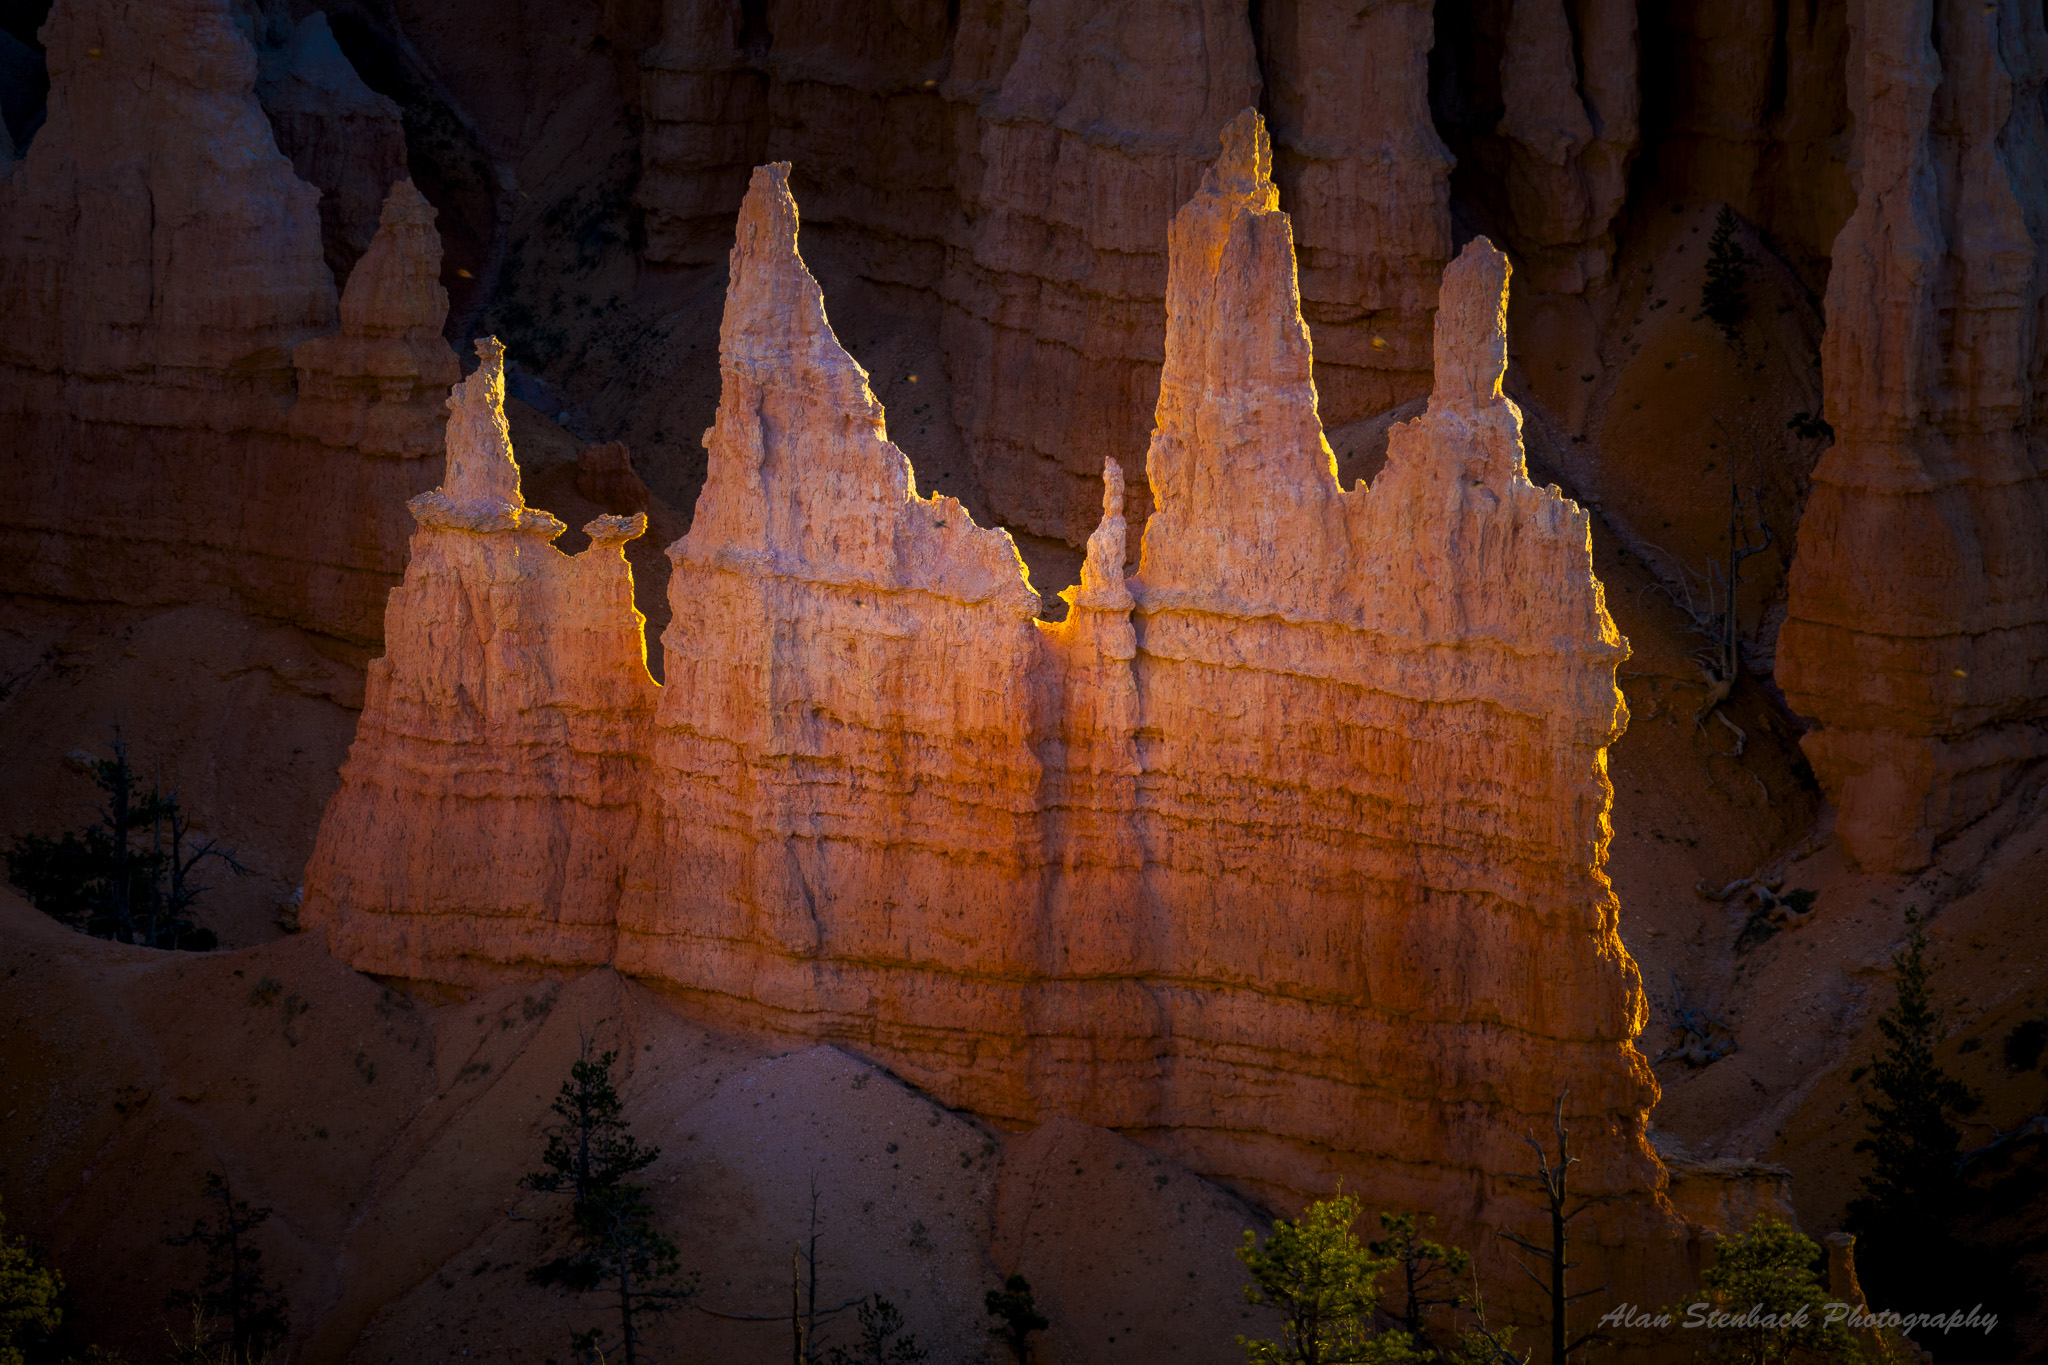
(1553, 1180)
(804, 1314)
(1710, 601)
(1697, 1038)
(1771, 903)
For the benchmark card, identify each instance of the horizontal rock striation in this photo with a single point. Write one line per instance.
(495, 783)
(1918, 629)
(160, 267)
(1284, 854)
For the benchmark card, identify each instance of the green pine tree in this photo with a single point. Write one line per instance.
(1326, 1286)
(130, 875)
(1017, 1314)
(882, 1338)
(28, 1297)
(1426, 1273)
(1724, 298)
(1775, 1271)
(1913, 1190)
(590, 1150)
(238, 1315)
(614, 1245)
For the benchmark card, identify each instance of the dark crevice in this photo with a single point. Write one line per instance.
(1781, 60)
(1262, 59)
(24, 77)
(445, 157)
(1466, 105)
(752, 35)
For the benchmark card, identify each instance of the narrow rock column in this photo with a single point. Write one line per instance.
(1919, 596)
(497, 782)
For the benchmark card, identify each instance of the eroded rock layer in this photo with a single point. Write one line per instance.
(1284, 854)
(1918, 630)
(159, 264)
(495, 782)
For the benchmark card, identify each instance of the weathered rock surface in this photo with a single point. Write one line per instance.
(1366, 180)
(496, 779)
(342, 137)
(1033, 158)
(378, 386)
(1283, 856)
(160, 257)
(1918, 630)
(605, 475)
(1083, 143)
(159, 263)
(1568, 83)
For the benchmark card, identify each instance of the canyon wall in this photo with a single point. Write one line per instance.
(1918, 630)
(159, 264)
(1283, 854)
(1022, 164)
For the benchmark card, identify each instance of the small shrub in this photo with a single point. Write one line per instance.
(882, 1338)
(1326, 1286)
(1017, 1316)
(1769, 1275)
(2024, 1044)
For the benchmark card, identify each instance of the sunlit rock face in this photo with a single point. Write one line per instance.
(498, 772)
(159, 263)
(1918, 630)
(1283, 854)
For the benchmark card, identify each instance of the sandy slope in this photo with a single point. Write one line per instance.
(388, 1135)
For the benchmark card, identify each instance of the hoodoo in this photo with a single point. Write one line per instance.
(1286, 856)
(1919, 598)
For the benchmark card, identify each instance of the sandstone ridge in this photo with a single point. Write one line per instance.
(1283, 855)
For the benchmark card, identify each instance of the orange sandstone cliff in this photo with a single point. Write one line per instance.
(1283, 855)
(1020, 163)
(492, 791)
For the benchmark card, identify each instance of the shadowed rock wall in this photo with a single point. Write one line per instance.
(1918, 630)
(1022, 162)
(159, 263)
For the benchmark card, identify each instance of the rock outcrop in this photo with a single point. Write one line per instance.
(1366, 180)
(1034, 156)
(1084, 141)
(379, 385)
(159, 264)
(496, 778)
(1571, 99)
(1283, 855)
(1918, 622)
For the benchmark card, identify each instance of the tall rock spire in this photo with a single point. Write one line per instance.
(1102, 572)
(1241, 476)
(1287, 855)
(1918, 601)
(480, 491)
(802, 476)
